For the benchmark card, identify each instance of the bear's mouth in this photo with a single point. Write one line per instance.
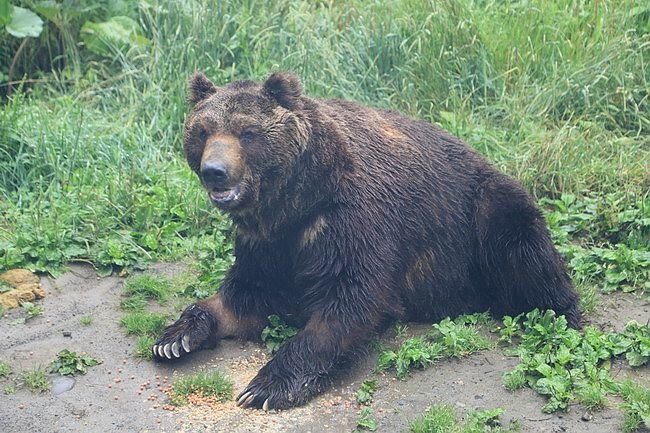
(224, 197)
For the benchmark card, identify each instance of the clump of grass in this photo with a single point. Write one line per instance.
(134, 303)
(5, 369)
(443, 419)
(143, 323)
(86, 320)
(636, 406)
(148, 287)
(212, 384)
(143, 346)
(449, 338)
(35, 380)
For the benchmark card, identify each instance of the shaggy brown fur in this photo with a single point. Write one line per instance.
(349, 218)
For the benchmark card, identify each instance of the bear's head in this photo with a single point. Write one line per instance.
(244, 140)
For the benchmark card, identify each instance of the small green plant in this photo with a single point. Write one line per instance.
(69, 363)
(277, 333)
(366, 391)
(448, 338)
(443, 419)
(86, 320)
(212, 384)
(9, 389)
(143, 346)
(5, 369)
(31, 310)
(366, 421)
(143, 323)
(35, 380)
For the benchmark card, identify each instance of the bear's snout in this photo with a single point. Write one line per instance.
(214, 174)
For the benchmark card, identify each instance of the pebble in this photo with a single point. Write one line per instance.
(62, 384)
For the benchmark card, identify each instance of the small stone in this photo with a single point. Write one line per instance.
(587, 416)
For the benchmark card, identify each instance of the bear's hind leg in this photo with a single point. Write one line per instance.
(520, 266)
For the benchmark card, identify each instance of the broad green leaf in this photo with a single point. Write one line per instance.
(24, 23)
(117, 34)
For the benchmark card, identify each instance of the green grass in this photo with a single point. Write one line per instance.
(443, 419)
(553, 94)
(86, 320)
(149, 287)
(35, 380)
(143, 323)
(448, 338)
(636, 406)
(143, 346)
(204, 384)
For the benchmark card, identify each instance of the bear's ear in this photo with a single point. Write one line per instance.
(198, 88)
(285, 88)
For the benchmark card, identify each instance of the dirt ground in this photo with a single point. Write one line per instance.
(108, 399)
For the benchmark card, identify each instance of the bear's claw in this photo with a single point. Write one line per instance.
(194, 330)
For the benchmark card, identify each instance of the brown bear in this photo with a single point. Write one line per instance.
(349, 218)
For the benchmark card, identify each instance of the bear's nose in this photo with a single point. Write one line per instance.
(214, 173)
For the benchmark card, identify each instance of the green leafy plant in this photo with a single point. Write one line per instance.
(366, 391)
(212, 384)
(86, 320)
(31, 310)
(562, 364)
(276, 333)
(365, 422)
(69, 363)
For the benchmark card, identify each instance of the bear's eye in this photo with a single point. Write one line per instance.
(202, 133)
(248, 135)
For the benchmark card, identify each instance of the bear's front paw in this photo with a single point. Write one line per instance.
(280, 390)
(194, 330)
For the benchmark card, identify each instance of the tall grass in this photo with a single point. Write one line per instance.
(554, 92)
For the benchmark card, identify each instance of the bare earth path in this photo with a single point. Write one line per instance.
(107, 399)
